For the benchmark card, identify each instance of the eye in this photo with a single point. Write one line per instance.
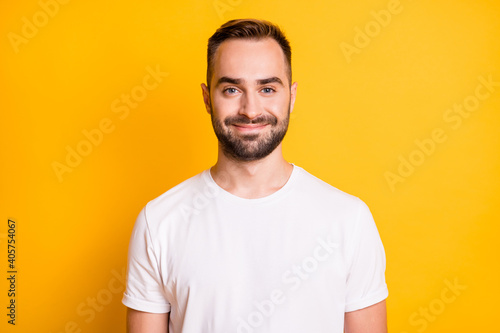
(267, 90)
(230, 90)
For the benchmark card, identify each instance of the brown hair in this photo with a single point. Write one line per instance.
(247, 29)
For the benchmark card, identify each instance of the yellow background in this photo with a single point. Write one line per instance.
(355, 118)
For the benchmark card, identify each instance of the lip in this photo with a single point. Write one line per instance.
(249, 127)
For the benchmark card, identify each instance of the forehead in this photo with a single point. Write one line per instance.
(250, 59)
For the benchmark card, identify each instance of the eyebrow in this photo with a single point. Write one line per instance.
(226, 79)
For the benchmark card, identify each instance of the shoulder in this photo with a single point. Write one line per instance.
(171, 200)
(325, 193)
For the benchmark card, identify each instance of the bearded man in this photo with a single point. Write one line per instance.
(254, 243)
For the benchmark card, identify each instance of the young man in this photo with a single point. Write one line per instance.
(254, 244)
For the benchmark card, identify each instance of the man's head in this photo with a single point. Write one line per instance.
(249, 94)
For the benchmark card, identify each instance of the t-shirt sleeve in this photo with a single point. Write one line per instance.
(144, 283)
(366, 263)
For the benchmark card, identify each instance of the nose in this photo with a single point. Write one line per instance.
(250, 105)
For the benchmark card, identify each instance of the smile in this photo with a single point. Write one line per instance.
(249, 127)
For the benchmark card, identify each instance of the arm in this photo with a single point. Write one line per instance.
(147, 307)
(145, 322)
(372, 319)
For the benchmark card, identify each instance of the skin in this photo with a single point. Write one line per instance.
(145, 322)
(372, 319)
(248, 95)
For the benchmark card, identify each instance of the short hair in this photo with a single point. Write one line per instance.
(247, 29)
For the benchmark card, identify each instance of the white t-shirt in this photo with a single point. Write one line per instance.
(293, 261)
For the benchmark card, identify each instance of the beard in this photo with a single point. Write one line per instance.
(249, 147)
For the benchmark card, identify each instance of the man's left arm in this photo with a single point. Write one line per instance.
(365, 308)
(372, 319)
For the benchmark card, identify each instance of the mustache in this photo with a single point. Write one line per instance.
(240, 119)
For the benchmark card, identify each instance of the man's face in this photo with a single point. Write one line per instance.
(250, 99)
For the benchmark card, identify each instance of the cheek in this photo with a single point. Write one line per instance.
(224, 106)
(277, 105)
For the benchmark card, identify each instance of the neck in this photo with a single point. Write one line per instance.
(254, 179)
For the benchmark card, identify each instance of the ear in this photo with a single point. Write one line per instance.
(206, 97)
(293, 94)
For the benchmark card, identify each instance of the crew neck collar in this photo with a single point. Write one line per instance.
(271, 197)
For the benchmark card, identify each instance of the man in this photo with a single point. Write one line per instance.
(254, 244)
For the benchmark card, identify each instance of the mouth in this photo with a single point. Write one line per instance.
(249, 127)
